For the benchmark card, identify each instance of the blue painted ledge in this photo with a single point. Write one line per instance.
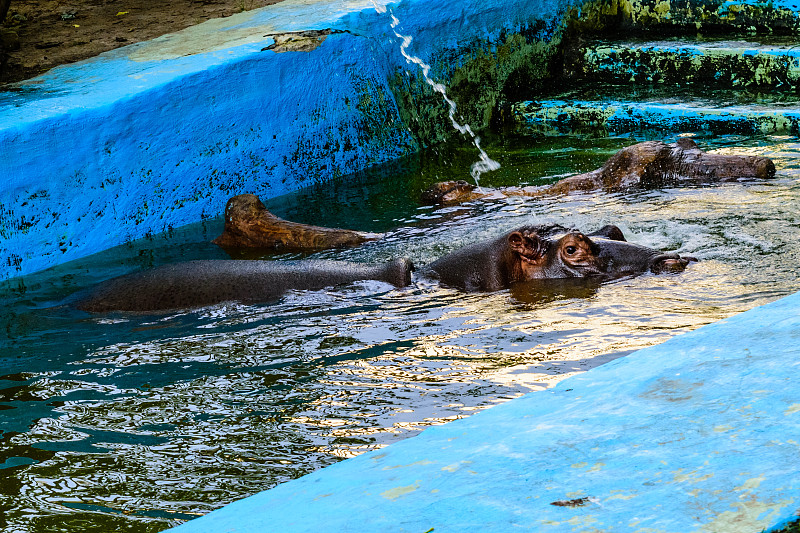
(698, 434)
(684, 114)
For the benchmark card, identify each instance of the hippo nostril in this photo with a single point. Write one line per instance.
(672, 265)
(663, 257)
(669, 262)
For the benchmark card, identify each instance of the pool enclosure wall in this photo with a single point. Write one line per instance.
(160, 134)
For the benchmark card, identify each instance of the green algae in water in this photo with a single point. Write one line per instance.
(139, 423)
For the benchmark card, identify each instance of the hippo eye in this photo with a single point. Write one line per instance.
(571, 250)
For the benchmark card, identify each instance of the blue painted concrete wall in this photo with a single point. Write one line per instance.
(105, 172)
(698, 434)
(161, 134)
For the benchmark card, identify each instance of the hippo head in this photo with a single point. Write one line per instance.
(555, 252)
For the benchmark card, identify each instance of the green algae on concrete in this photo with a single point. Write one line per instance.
(690, 16)
(605, 115)
(738, 64)
(480, 79)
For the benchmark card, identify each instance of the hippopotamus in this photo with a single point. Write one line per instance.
(552, 251)
(248, 224)
(192, 284)
(649, 164)
(535, 252)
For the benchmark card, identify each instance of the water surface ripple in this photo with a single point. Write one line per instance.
(142, 422)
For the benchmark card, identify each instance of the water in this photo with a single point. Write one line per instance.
(139, 423)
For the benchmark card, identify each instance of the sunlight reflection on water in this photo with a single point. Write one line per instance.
(148, 421)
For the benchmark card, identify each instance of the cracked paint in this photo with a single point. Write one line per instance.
(749, 515)
(792, 409)
(397, 492)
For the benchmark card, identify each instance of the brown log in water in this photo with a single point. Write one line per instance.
(248, 224)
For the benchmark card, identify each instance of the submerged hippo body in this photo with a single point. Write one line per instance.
(646, 165)
(549, 252)
(200, 283)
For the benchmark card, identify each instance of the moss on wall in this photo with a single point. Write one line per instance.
(480, 79)
(485, 77)
(688, 16)
(729, 67)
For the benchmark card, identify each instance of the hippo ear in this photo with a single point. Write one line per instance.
(528, 245)
(610, 232)
(686, 143)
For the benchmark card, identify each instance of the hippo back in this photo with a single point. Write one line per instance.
(201, 283)
(476, 267)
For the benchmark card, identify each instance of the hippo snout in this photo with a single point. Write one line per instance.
(670, 262)
(764, 168)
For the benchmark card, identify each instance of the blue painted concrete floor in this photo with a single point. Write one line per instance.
(700, 433)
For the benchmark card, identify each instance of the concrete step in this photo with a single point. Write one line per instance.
(773, 64)
(624, 109)
(689, 17)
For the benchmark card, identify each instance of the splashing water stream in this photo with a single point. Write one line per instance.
(485, 163)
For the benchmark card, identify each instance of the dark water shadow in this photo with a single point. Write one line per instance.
(544, 291)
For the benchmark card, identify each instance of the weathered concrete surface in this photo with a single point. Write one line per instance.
(160, 134)
(663, 114)
(694, 84)
(698, 434)
(708, 63)
(660, 17)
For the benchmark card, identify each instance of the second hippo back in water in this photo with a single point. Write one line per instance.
(194, 284)
(550, 252)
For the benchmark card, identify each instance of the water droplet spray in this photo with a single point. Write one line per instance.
(484, 163)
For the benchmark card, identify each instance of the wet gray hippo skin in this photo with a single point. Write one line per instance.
(550, 252)
(200, 283)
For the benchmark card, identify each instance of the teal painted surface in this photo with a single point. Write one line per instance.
(700, 433)
(675, 114)
(160, 134)
(721, 63)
